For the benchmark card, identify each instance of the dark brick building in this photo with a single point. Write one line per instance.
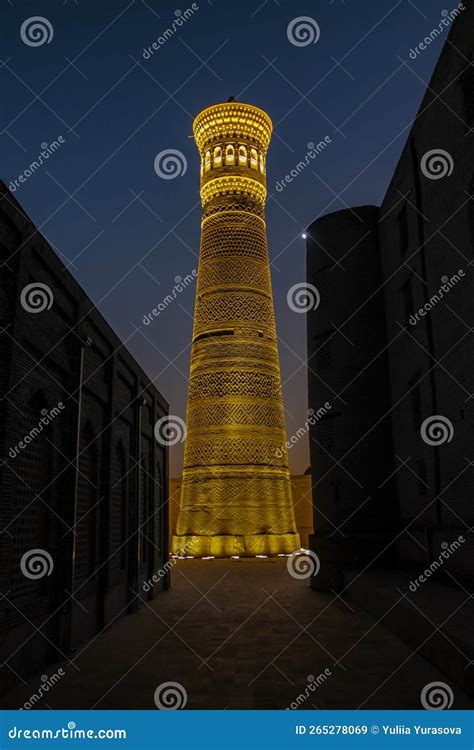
(83, 482)
(392, 460)
(351, 445)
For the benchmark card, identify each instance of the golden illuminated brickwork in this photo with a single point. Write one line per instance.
(236, 491)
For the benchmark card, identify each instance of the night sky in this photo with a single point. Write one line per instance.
(125, 232)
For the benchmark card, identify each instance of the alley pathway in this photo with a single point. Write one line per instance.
(242, 634)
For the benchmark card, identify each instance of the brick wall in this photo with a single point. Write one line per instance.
(121, 474)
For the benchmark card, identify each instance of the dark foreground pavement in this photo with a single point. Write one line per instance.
(242, 634)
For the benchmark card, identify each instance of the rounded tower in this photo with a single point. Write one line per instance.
(236, 492)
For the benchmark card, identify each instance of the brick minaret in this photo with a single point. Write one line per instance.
(236, 493)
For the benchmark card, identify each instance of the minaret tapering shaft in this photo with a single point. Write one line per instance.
(236, 491)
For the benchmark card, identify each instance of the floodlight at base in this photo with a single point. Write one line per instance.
(250, 545)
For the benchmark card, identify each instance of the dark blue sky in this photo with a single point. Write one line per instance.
(129, 233)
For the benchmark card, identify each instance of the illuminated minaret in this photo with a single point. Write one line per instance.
(236, 492)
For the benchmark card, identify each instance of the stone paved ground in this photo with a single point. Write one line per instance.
(243, 634)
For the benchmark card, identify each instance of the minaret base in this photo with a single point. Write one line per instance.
(227, 545)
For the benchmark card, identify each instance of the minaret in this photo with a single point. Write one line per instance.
(236, 491)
